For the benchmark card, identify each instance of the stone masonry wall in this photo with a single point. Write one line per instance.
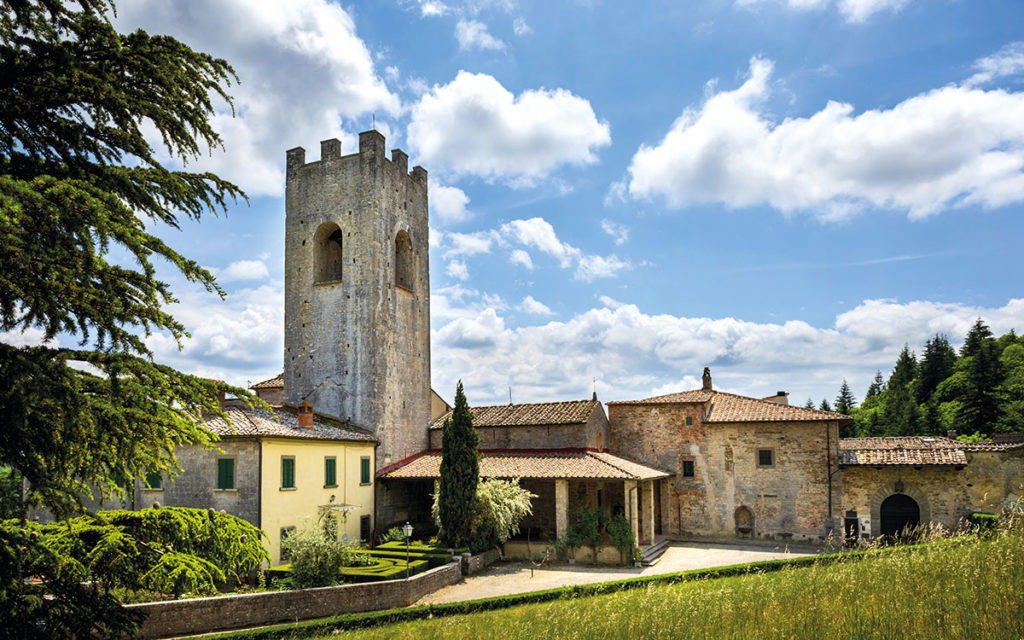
(592, 434)
(196, 485)
(788, 500)
(359, 347)
(991, 482)
(203, 615)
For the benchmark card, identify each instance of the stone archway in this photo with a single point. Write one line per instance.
(898, 488)
(897, 513)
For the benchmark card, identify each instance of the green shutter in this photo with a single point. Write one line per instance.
(153, 480)
(364, 469)
(330, 472)
(225, 473)
(287, 473)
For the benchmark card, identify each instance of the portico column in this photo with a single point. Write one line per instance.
(632, 496)
(648, 507)
(561, 508)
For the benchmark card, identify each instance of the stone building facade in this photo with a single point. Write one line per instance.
(357, 291)
(740, 466)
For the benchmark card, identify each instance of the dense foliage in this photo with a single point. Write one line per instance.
(173, 550)
(500, 507)
(81, 196)
(460, 474)
(979, 390)
(11, 505)
(317, 556)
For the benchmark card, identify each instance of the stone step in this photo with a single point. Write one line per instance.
(652, 553)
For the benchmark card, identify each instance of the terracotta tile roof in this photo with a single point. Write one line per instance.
(256, 423)
(527, 415)
(909, 450)
(277, 382)
(575, 464)
(730, 407)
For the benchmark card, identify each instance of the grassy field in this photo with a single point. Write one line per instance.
(966, 588)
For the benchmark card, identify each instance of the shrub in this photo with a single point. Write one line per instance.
(316, 558)
(622, 535)
(585, 527)
(394, 534)
(500, 507)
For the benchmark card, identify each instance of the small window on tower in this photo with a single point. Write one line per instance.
(765, 458)
(687, 468)
(328, 254)
(403, 260)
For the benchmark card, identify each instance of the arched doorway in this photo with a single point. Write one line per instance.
(898, 512)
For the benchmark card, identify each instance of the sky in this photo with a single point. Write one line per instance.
(622, 193)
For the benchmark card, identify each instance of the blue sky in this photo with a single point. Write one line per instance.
(785, 191)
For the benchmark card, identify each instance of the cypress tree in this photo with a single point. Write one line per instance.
(460, 474)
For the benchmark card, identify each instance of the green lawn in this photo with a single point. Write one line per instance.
(958, 589)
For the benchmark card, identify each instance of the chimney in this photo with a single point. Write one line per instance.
(706, 379)
(780, 397)
(305, 415)
(952, 434)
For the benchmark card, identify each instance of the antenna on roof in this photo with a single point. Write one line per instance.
(373, 117)
(595, 388)
(510, 394)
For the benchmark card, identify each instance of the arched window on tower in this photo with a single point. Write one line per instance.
(328, 255)
(403, 260)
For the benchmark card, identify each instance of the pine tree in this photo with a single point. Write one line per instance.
(900, 413)
(845, 401)
(936, 365)
(824, 406)
(809, 404)
(460, 474)
(978, 334)
(981, 376)
(877, 386)
(81, 189)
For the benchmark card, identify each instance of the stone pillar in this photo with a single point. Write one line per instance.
(632, 495)
(648, 507)
(561, 508)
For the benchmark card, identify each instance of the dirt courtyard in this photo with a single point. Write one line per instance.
(515, 577)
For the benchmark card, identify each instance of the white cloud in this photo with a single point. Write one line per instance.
(618, 232)
(529, 305)
(302, 70)
(449, 204)
(474, 35)
(29, 337)
(591, 267)
(520, 27)
(432, 8)
(474, 126)
(1008, 61)
(609, 302)
(236, 340)
(522, 258)
(538, 233)
(457, 269)
(243, 270)
(634, 354)
(834, 162)
(852, 10)
(468, 244)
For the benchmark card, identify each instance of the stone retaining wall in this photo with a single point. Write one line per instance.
(202, 615)
(479, 562)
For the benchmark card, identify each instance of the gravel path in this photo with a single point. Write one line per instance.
(506, 578)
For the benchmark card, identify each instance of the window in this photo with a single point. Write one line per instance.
(687, 468)
(364, 470)
(327, 253)
(364, 527)
(153, 480)
(225, 473)
(689, 421)
(765, 458)
(330, 471)
(403, 260)
(286, 532)
(287, 472)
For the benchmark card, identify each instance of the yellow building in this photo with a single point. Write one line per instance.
(278, 472)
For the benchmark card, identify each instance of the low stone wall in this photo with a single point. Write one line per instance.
(521, 549)
(202, 615)
(479, 562)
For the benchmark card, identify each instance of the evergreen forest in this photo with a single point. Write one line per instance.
(976, 391)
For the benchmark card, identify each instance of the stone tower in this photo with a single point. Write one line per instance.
(357, 291)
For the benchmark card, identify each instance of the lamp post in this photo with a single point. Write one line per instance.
(407, 530)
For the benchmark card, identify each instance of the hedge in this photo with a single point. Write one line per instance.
(383, 569)
(983, 520)
(434, 559)
(327, 626)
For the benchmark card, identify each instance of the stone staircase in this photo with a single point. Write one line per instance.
(653, 552)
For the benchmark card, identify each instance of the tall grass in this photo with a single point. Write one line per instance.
(966, 587)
